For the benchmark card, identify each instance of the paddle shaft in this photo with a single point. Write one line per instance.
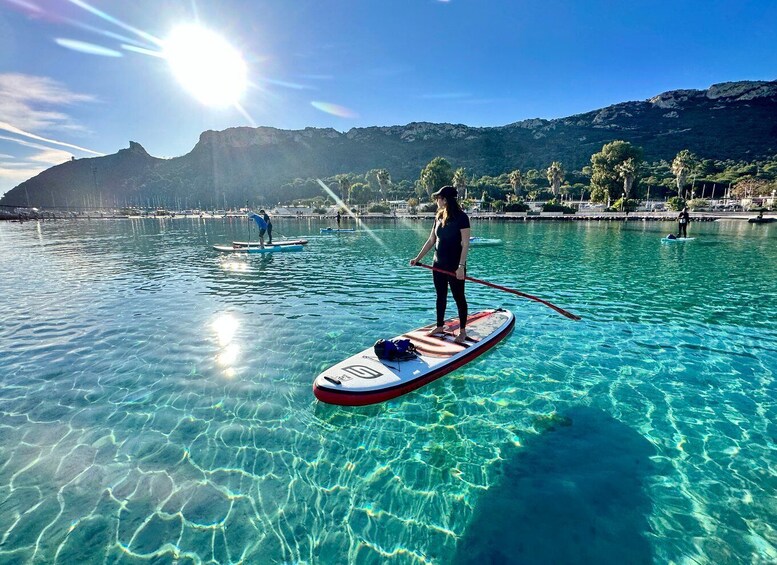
(561, 311)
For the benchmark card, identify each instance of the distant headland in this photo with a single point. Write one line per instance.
(729, 132)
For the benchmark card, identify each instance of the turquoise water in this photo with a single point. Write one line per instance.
(156, 402)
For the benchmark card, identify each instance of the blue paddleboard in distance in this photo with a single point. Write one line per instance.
(252, 250)
(483, 241)
(281, 243)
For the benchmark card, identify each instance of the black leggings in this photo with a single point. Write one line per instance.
(441, 283)
(682, 230)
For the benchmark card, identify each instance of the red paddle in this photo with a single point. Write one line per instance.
(510, 290)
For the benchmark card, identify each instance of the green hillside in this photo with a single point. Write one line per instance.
(730, 121)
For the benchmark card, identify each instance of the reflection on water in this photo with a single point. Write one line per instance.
(156, 398)
(226, 326)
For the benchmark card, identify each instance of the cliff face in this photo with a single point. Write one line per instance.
(736, 120)
(83, 182)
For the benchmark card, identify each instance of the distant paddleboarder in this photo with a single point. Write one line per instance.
(682, 222)
(268, 221)
(338, 219)
(450, 239)
(261, 224)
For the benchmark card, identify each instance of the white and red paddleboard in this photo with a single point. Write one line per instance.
(365, 379)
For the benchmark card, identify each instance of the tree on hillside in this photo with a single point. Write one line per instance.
(628, 171)
(496, 187)
(425, 185)
(361, 193)
(460, 182)
(435, 175)
(345, 187)
(402, 190)
(555, 176)
(384, 181)
(751, 186)
(516, 182)
(770, 168)
(530, 184)
(606, 181)
(371, 178)
(684, 163)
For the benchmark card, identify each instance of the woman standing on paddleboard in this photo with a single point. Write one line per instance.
(450, 239)
(682, 223)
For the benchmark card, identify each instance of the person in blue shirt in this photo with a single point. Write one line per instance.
(450, 239)
(261, 224)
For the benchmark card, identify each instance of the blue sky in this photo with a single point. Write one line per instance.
(83, 77)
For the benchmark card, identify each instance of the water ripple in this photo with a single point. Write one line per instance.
(156, 401)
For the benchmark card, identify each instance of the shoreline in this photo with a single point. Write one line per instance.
(479, 216)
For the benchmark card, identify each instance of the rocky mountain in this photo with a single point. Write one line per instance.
(736, 120)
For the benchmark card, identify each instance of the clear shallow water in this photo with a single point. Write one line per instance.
(156, 401)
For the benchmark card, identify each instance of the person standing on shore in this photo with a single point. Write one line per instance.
(450, 239)
(268, 221)
(682, 221)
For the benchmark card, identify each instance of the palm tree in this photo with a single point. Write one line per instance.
(345, 187)
(605, 180)
(460, 181)
(682, 166)
(516, 182)
(628, 172)
(428, 179)
(555, 176)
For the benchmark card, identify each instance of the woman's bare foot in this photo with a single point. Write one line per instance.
(439, 330)
(462, 337)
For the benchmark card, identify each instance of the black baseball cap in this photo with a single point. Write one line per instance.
(446, 191)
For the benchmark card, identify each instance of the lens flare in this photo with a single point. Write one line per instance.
(142, 50)
(343, 205)
(89, 48)
(334, 109)
(108, 18)
(13, 129)
(208, 67)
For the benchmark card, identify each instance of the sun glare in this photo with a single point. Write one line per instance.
(225, 327)
(208, 67)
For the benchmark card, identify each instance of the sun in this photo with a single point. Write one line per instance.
(208, 67)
